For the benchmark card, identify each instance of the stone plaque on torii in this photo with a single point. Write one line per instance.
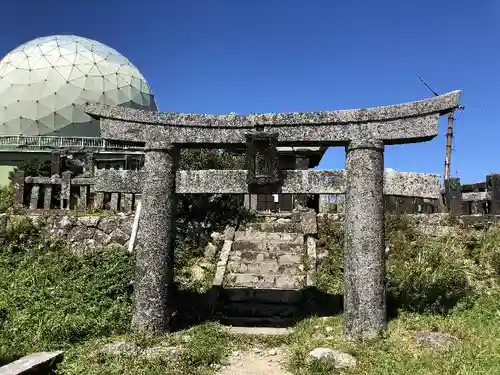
(363, 132)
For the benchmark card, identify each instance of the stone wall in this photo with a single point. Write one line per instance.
(81, 233)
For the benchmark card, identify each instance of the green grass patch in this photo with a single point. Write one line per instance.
(478, 329)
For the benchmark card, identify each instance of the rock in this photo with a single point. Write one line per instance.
(109, 224)
(120, 348)
(210, 251)
(197, 273)
(337, 358)
(164, 352)
(79, 234)
(435, 339)
(118, 236)
(229, 233)
(89, 221)
(272, 352)
(65, 223)
(216, 236)
(38, 221)
(308, 222)
(322, 255)
(101, 238)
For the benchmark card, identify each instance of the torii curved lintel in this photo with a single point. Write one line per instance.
(401, 123)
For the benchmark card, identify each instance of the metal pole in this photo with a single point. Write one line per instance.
(449, 139)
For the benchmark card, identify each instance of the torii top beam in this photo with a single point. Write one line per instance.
(394, 124)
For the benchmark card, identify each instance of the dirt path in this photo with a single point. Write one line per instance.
(256, 362)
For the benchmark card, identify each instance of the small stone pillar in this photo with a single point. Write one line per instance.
(113, 203)
(453, 194)
(154, 259)
(365, 314)
(65, 190)
(56, 165)
(493, 184)
(19, 189)
(83, 198)
(47, 197)
(323, 203)
(35, 195)
(98, 201)
(300, 200)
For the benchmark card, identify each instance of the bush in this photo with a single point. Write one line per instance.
(424, 274)
(50, 298)
(5, 198)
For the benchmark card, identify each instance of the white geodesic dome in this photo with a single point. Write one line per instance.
(43, 83)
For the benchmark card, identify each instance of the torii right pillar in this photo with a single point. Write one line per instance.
(364, 263)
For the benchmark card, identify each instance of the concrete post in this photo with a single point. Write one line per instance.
(453, 193)
(364, 264)
(493, 183)
(154, 259)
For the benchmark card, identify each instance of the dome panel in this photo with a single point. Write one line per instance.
(43, 82)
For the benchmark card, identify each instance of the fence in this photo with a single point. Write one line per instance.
(482, 198)
(66, 193)
(334, 203)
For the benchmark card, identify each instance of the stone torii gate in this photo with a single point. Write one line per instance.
(363, 132)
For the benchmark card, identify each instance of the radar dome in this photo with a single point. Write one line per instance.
(43, 83)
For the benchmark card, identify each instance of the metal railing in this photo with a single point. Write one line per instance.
(20, 142)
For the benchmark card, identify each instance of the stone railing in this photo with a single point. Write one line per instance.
(121, 190)
(66, 193)
(481, 198)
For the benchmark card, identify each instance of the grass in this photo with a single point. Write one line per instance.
(52, 299)
(204, 347)
(478, 329)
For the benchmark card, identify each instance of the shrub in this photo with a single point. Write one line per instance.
(424, 274)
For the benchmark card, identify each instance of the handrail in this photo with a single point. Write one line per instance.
(22, 142)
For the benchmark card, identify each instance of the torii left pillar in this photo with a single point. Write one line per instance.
(154, 270)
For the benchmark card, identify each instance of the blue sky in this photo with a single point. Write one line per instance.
(224, 56)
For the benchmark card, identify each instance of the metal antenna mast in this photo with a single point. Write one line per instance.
(449, 135)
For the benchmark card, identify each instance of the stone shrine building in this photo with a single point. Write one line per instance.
(289, 158)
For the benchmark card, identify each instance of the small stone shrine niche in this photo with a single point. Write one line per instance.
(261, 161)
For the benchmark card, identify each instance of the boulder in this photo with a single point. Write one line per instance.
(337, 358)
(210, 251)
(120, 348)
(436, 340)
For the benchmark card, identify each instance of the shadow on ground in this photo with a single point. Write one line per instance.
(193, 308)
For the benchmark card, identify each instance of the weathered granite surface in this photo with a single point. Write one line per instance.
(411, 184)
(123, 181)
(154, 260)
(437, 104)
(415, 121)
(36, 363)
(364, 263)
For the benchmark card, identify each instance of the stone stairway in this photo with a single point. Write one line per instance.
(264, 275)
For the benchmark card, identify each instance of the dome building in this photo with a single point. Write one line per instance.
(43, 82)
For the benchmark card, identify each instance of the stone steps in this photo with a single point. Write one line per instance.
(258, 238)
(259, 281)
(258, 322)
(260, 310)
(263, 295)
(266, 267)
(292, 256)
(274, 227)
(263, 278)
